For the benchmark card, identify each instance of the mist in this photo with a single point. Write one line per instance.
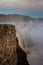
(30, 35)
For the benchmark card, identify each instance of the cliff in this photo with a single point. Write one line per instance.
(16, 17)
(10, 52)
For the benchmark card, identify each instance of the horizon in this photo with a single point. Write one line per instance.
(32, 13)
(33, 8)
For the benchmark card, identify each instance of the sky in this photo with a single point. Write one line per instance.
(32, 8)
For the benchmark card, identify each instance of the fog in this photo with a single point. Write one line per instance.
(30, 35)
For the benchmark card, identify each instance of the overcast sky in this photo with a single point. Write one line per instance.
(27, 4)
(21, 4)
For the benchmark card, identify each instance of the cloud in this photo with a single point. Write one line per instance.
(25, 4)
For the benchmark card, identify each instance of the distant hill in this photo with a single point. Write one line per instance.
(16, 17)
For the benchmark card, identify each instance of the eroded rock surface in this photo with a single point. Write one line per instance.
(8, 55)
(10, 51)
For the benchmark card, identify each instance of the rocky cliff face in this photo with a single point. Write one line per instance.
(10, 51)
(8, 55)
(16, 17)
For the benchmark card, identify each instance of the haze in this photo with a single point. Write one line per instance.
(30, 35)
(24, 4)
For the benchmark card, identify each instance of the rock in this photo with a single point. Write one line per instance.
(22, 58)
(10, 51)
(8, 55)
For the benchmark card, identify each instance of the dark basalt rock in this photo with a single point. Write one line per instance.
(10, 52)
